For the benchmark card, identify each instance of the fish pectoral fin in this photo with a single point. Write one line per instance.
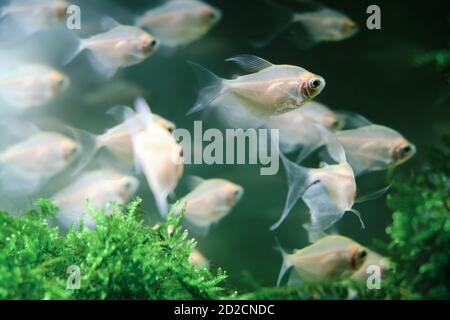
(373, 195)
(102, 64)
(250, 63)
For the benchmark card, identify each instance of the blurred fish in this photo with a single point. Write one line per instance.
(375, 147)
(100, 187)
(31, 86)
(197, 259)
(297, 128)
(113, 93)
(179, 22)
(118, 139)
(373, 259)
(30, 16)
(328, 191)
(157, 154)
(330, 258)
(268, 90)
(120, 47)
(27, 164)
(322, 25)
(210, 201)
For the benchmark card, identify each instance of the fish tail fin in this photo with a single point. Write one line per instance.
(298, 181)
(211, 85)
(74, 50)
(285, 265)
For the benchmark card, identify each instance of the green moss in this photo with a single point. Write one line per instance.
(420, 231)
(121, 259)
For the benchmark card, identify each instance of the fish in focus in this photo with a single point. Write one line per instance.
(100, 187)
(29, 86)
(121, 46)
(330, 258)
(209, 202)
(374, 148)
(157, 154)
(267, 90)
(306, 30)
(328, 191)
(196, 258)
(30, 16)
(27, 164)
(179, 22)
(373, 259)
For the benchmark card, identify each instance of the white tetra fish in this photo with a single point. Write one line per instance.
(120, 47)
(27, 164)
(100, 187)
(310, 28)
(297, 127)
(210, 201)
(30, 16)
(157, 154)
(179, 22)
(374, 147)
(197, 259)
(328, 191)
(373, 259)
(30, 86)
(118, 139)
(267, 90)
(330, 258)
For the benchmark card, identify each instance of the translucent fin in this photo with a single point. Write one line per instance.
(74, 50)
(89, 146)
(285, 265)
(277, 31)
(211, 87)
(250, 63)
(352, 120)
(334, 147)
(315, 235)
(108, 23)
(306, 150)
(194, 181)
(162, 204)
(129, 116)
(144, 111)
(298, 182)
(358, 214)
(373, 195)
(102, 65)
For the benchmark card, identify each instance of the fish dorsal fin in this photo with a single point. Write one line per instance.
(250, 63)
(118, 112)
(334, 147)
(144, 111)
(194, 181)
(108, 23)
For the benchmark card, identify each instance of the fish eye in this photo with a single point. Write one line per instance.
(153, 43)
(362, 254)
(314, 83)
(405, 150)
(211, 15)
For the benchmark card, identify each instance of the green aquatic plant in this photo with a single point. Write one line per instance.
(121, 259)
(420, 231)
(439, 58)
